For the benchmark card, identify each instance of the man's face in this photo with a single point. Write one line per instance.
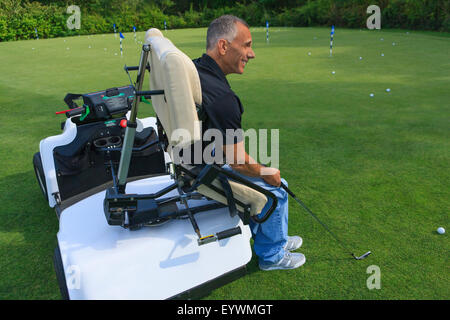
(239, 51)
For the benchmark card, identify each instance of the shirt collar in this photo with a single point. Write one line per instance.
(213, 66)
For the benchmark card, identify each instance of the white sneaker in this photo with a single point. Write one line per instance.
(293, 243)
(289, 261)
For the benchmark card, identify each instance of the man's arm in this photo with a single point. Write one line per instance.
(239, 160)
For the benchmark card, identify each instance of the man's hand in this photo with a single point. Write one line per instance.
(240, 161)
(271, 176)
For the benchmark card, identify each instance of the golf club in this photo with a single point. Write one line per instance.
(365, 255)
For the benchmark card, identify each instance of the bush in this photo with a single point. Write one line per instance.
(18, 18)
(153, 18)
(4, 35)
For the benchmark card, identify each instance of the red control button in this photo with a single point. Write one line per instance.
(123, 123)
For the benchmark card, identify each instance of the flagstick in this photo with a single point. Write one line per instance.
(115, 34)
(331, 41)
(134, 30)
(37, 36)
(267, 31)
(121, 37)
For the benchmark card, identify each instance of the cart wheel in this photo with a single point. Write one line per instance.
(39, 171)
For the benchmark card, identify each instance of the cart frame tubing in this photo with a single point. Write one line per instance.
(130, 131)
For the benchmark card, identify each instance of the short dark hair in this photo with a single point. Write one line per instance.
(223, 27)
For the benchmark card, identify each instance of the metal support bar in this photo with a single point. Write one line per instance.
(130, 132)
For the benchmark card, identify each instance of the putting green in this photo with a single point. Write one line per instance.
(374, 169)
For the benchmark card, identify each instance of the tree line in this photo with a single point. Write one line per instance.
(21, 19)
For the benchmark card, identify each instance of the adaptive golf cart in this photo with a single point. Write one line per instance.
(134, 224)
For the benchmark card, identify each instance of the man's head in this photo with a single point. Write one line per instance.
(229, 43)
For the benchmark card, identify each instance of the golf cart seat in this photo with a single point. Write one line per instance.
(178, 114)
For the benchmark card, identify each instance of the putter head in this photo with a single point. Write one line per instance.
(365, 255)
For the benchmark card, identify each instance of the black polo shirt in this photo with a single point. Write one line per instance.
(222, 106)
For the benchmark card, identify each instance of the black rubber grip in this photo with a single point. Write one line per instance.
(228, 233)
(288, 190)
(135, 68)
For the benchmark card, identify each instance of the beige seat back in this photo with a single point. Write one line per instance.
(176, 74)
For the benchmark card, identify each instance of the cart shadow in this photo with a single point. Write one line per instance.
(182, 260)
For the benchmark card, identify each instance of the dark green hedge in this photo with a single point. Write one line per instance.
(19, 18)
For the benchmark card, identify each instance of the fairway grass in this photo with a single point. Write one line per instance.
(374, 169)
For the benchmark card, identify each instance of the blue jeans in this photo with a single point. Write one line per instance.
(270, 236)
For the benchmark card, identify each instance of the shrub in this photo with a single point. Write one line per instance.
(18, 18)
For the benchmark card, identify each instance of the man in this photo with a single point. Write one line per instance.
(228, 50)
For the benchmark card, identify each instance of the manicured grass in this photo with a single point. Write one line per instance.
(375, 169)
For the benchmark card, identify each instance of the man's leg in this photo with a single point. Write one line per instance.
(271, 236)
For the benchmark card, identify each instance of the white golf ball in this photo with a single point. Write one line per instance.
(441, 230)
(388, 90)
(382, 54)
(333, 72)
(393, 43)
(360, 58)
(371, 94)
(309, 53)
(68, 48)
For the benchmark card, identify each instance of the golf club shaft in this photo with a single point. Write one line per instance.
(315, 217)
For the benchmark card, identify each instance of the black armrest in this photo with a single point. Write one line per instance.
(250, 184)
(218, 170)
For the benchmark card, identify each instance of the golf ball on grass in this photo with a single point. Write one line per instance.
(388, 90)
(371, 94)
(440, 230)
(333, 72)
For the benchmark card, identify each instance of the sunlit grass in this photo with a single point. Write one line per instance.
(375, 169)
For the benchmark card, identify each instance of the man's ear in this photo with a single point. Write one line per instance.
(222, 46)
